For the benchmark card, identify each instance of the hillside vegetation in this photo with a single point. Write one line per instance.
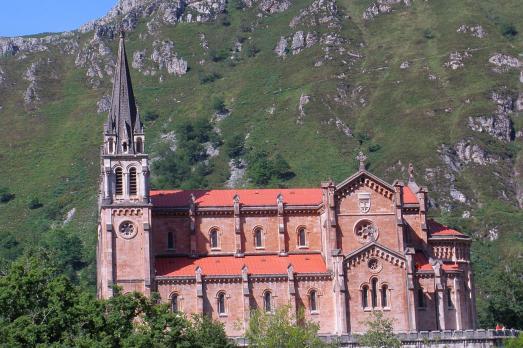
(276, 93)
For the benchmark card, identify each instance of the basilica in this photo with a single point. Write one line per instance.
(339, 251)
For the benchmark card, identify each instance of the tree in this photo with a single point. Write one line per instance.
(235, 146)
(282, 329)
(40, 307)
(379, 332)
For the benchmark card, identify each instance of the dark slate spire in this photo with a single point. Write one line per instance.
(124, 121)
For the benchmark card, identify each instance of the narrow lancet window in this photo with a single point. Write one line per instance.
(214, 239)
(374, 294)
(170, 240)
(450, 302)
(258, 238)
(302, 237)
(313, 301)
(267, 305)
(384, 298)
(119, 181)
(174, 303)
(139, 145)
(132, 182)
(421, 298)
(365, 296)
(221, 303)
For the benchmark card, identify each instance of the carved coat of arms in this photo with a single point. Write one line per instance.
(364, 202)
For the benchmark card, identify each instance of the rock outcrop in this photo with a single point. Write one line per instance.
(456, 59)
(504, 62)
(499, 124)
(382, 6)
(319, 12)
(304, 100)
(164, 55)
(474, 30)
(30, 94)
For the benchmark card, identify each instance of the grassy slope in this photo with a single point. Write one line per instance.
(53, 150)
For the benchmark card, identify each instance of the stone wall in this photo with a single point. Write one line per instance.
(434, 339)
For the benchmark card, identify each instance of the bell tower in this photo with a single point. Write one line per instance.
(123, 252)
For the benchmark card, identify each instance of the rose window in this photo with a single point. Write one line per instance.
(366, 231)
(127, 229)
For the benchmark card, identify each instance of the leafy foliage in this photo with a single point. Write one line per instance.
(516, 342)
(38, 306)
(282, 329)
(187, 166)
(264, 169)
(379, 332)
(235, 146)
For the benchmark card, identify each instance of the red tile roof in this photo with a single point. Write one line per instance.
(408, 196)
(230, 265)
(252, 197)
(437, 229)
(422, 263)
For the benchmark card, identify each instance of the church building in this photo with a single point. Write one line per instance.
(340, 250)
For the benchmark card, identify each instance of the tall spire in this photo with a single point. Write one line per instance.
(124, 121)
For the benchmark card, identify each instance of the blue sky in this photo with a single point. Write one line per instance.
(23, 17)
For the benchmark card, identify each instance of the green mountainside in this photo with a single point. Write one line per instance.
(276, 93)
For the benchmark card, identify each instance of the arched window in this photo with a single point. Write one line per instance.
(374, 293)
(267, 299)
(421, 298)
(384, 295)
(119, 181)
(450, 303)
(302, 237)
(139, 145)
(365, 296)
(221, 303)
(174, 303)
(258, 237)
(124, 147)
(170, 240)
(214, 239)
(313, 301)
(133, 190)
(111, 145)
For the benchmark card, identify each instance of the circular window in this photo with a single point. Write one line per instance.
(127, 229)
(374, 265)
(366, 231)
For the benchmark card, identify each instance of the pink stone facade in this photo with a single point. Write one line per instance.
(339, 251)
(398, 257)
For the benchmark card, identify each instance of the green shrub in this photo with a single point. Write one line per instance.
(34, 203)
(252, 51)
(428, 34)
(151, 116)
(379, 332)
(218, 104)
(374, 147)
(235, 146)
(219, 55)
(5, 195)
(264, 169)
(210, 77)
(509, 30)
